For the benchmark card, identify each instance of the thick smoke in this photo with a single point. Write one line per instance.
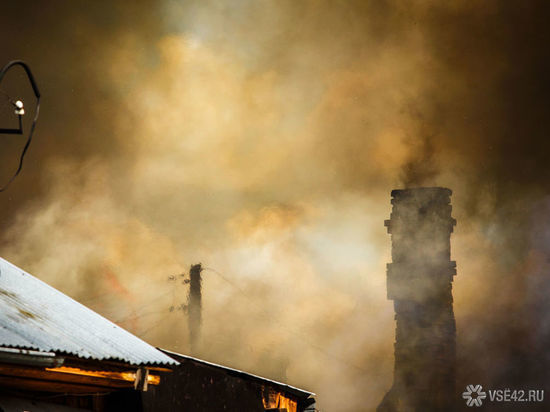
(262, 139)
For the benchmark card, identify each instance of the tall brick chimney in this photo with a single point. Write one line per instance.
(419, 281)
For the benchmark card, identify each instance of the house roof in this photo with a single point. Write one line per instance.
(299, 393)
(34, 315)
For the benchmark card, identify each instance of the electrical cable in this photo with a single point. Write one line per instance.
(156, 325)
(18, 105)
(302, 338)
(137, 316)
(144, 284)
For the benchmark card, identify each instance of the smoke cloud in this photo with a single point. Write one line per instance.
(262, 139)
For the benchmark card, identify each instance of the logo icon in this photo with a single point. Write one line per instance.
(474, 395)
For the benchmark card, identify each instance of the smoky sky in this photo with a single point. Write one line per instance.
(262, 139)
(482, 101)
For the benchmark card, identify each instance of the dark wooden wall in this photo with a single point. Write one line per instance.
(197, 387)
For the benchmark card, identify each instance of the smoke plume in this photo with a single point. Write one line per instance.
(262, 139)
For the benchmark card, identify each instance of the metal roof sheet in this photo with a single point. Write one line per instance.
(34, 315)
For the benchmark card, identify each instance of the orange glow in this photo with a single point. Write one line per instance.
(153, 379)
(123, 376)
(278, 400)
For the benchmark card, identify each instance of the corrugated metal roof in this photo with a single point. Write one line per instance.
(34, 315)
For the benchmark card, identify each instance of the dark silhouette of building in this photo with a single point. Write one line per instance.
(419, 281)
(195, 306)
(58, 355)
(198, 385)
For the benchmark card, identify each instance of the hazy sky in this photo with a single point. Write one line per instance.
(263, 138)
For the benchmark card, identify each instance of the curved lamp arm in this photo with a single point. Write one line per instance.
(19, 110)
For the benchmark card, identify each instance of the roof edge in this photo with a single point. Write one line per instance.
(292, 389)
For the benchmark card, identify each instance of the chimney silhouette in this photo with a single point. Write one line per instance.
(195, 306)
(419, 281)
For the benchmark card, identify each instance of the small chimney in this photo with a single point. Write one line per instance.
(195, 303)
(419, 281)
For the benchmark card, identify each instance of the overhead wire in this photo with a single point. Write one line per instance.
(143, 284)
(137, 316)
(156, 325)
(151, 303)
(302, 337)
